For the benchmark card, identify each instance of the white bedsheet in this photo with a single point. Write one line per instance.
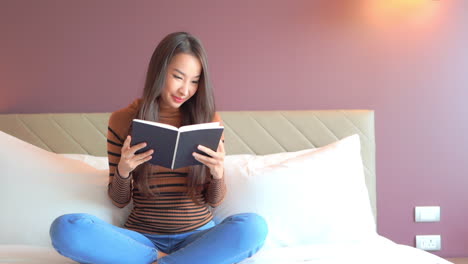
(376, 251)
(26, 254)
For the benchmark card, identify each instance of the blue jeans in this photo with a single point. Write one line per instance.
(88, 239)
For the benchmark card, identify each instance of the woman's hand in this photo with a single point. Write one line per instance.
(128, 160)
(215, 162)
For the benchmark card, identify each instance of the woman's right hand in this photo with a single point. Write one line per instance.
(128, 160)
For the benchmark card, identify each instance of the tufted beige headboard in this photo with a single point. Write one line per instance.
(254, 132)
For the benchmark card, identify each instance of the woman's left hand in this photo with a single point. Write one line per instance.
(215, 162)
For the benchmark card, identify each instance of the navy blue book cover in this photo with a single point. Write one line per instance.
(160, 139)
(189, 141)
(163, 140)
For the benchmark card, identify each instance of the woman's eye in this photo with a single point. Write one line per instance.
(177, 77)
(196, 82)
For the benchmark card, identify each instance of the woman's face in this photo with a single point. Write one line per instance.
(183, 75)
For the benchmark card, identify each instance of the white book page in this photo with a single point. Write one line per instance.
(199, 126)
(156, 124)
(175, 150)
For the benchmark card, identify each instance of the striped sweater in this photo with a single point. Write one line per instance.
(172, 211)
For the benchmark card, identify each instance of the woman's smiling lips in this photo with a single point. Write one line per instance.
(177, 99)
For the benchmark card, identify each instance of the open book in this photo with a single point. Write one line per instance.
(173, 147)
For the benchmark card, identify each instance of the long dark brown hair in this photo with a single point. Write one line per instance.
(200, 108)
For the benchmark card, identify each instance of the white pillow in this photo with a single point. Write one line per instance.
(307, 197)
(38, 186)
(100, 163)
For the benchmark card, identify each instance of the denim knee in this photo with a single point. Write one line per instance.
(66, 222)
(87, 239)
(64, 227)
(251, 225)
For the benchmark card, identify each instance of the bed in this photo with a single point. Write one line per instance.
(322, 163)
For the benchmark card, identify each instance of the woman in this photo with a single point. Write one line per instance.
(171, 207)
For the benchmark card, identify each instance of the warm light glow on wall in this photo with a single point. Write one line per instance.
(409, 12)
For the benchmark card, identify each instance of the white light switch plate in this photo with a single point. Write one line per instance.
(427, 214)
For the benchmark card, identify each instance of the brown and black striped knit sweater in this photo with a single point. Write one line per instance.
(172, 211)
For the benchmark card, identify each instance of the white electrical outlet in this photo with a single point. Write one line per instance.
(428, 242)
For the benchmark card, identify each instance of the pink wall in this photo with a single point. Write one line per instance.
(78, 56)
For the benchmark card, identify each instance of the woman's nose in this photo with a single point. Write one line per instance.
(183, 90)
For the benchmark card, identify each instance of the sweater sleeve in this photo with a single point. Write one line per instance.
(119, 188)
(216, 191)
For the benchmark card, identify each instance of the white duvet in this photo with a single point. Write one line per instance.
(379, 251)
